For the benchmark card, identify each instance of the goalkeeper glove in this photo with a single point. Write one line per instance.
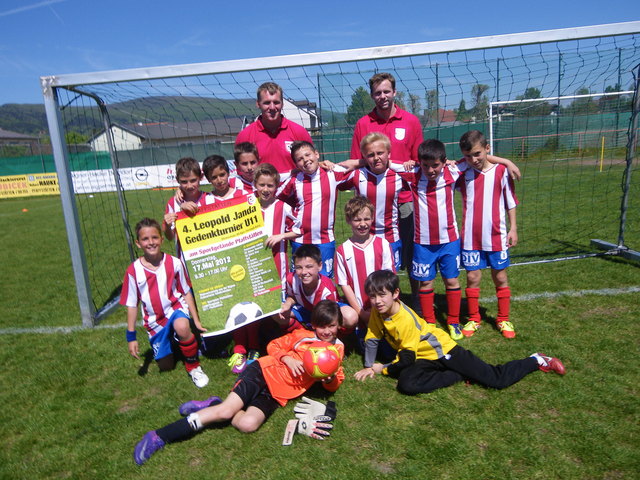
(318, 411)
(314, 429)
(315, 418)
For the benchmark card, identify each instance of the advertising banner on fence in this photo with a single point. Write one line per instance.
(132, 178)
(234, 278)
(29, 185)
(135, 178)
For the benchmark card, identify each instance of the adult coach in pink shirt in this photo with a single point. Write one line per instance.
(405, 132)
(272, 133)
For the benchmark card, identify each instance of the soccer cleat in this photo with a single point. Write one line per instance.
(506, 329)
(551, 364)
(146, 447)
(237, 362)
(194, 405)
(252, 356)
(199, 377)
(455, 332)
(470, 328)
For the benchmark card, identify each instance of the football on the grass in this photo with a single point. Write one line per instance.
(321, 360)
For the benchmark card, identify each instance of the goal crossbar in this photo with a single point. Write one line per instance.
(339, 56)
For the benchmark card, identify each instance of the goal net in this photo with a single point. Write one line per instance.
(117, 135)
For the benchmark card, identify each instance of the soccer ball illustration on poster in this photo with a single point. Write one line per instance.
(242, 312)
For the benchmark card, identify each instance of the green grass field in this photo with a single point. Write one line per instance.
(74, 404)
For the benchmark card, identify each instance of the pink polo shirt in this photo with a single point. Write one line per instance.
(275, 148)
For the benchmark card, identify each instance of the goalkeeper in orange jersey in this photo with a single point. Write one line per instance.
(264, 385)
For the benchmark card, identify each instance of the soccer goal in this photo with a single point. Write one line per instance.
(571, 131)
(132, 126)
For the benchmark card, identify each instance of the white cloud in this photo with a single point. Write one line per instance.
(25, 8)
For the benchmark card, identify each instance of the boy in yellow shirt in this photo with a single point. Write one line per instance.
(427, 358)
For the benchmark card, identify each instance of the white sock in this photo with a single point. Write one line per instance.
(194, 422)
(541, 361)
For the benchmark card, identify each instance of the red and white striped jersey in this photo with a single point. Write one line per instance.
(434, 215)
(160, 292)
(174, 207)
(325, 290)
(382, 190)
(353, 264)
(486, 198)
(278, 219)
(239, 183)
(210, 198)
(313, 198)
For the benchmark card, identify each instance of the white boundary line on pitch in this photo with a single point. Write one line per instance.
(519, 298)
(569, 293)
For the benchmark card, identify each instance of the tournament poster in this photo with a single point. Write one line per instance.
(233, 275)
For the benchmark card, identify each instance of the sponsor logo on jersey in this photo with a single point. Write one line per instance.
(471, 259)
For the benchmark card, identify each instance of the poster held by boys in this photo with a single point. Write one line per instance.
(229, 267)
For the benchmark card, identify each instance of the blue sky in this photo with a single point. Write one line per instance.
(47, 37)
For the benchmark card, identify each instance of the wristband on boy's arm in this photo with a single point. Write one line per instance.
(370, 351)
(131, 336)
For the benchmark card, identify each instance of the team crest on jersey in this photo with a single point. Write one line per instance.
(400, 133)
(287, 145)
(471, 259)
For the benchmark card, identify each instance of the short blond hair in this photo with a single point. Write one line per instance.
(372, 137)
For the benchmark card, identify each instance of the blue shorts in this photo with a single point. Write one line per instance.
(428, 259)
(479, 259)
(303, 316)
(396, 249)
(161, 342)
(327, 250)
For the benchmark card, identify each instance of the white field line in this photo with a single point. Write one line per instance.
(568, 293)
(520, 298)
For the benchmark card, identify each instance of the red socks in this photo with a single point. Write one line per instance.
(454, 296)
(426, 303)
(246, 337)
(189, 349)
(504, 303)
(473, 303)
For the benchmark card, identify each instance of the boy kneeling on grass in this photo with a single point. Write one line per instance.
(264, 385)
(427, 358)
(160, 284)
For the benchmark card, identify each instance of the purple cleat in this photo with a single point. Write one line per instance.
(146, 447)
(194, 405)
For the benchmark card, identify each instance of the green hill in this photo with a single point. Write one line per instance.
(30, 119)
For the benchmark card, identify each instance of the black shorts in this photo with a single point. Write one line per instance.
(252, 388)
